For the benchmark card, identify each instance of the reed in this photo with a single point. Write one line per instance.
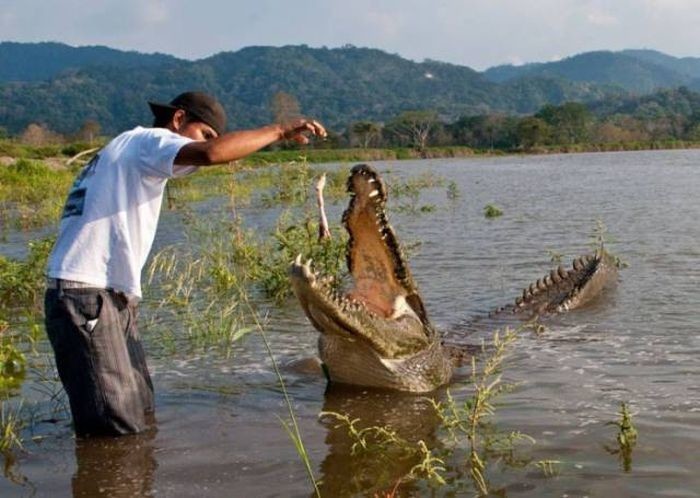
(11, 425)
(291, 426)
(626, 437)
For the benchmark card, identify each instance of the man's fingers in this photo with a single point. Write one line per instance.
(317, 128)
(305, 125)
(314, 127)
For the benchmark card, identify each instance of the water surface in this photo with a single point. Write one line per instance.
(217, 430)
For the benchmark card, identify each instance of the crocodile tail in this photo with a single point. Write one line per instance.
(561, 289)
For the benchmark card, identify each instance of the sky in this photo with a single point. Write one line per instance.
(474, 33)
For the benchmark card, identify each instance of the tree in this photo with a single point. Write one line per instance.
(569, 121)
(89, 131)
(532, 131)
(37, 135)
(414, 128)
(284, 107)
(486, 131)
(365, 132)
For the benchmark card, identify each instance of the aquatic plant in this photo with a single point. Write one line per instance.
(13, 364)
(626, 437)
(201, 293)
(266, 262)
(600, 239)
(410, 190)
(555, 256)
(291, 426)
(372, 438)
(11, 425)
(548, 467)
(466, 424)
(491, 211)
(466, 419)
(385, 442)
(453, 193)
(22, 283)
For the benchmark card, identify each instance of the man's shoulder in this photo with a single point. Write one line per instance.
(141, 131)
(140, 137)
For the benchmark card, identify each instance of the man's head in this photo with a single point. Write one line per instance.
(191, 114)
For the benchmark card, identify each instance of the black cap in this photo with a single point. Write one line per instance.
(200, 106)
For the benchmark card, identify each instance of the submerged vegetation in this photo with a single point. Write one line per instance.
(491, 211)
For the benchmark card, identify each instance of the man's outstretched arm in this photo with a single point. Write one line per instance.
(238, 144)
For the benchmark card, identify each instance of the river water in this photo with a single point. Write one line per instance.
(218, 432)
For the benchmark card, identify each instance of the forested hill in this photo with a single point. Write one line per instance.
(339, 86)
(638, 71)
(41, 61)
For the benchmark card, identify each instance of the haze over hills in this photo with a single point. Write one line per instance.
(63, 86)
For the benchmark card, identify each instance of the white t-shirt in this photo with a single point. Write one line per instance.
(111, 215)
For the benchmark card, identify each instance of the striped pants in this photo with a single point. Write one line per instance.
(100, 359)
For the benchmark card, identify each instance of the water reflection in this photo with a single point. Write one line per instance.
(374, 470)
(115, 466)
(13, 473)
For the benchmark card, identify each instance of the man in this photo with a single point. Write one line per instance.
(106, 232)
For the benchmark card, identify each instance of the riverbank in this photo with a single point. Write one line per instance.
(395, 154)
(56, 154)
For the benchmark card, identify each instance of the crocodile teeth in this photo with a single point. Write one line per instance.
(556, 278)
(548, 281)
(578, 264)
(561, 271)
(374, 193)
(297, 261)
(541, 285)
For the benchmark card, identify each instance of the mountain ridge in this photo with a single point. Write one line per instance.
(338, 85)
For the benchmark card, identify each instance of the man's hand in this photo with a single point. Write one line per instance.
(297, 130)
(238, 144)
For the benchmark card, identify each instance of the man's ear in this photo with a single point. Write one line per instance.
(178, 120)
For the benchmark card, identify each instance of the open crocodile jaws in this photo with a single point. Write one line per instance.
(376, 334)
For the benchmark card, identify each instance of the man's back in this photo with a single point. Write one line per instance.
(111, 214)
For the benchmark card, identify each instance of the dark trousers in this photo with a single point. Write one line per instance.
(100, 360)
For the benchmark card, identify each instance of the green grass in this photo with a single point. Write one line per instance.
(22, 282)
(32, 194)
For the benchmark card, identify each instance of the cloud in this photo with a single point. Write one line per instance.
(385, 24)
(477, 33)
(601, 18)
(154, 12)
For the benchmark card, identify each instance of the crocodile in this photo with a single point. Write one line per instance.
(377, 333)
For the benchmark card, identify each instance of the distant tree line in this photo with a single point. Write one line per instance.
(667, 115)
